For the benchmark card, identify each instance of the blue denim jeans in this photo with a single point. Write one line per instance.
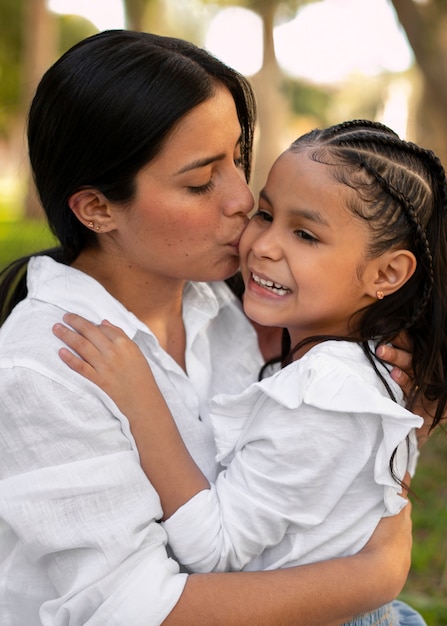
(393, 614)
(406, 616)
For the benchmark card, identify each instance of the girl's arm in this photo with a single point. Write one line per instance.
(326, 593)
(108, 358)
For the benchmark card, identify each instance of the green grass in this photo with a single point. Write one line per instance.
(23, 237)
(426, 588)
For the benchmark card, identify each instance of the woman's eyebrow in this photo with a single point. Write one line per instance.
(198, 163)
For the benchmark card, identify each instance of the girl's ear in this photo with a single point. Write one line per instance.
(92, 209)
(393, 270)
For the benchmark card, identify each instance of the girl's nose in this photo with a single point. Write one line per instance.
(267, 245)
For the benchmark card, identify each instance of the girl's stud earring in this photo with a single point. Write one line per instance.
(379, 295)
(90, 224)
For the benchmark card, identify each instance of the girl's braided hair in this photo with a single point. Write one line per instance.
(400, 190)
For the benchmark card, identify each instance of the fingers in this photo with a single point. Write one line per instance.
(82, 362)
(78, 365)
(85, 348)
(399, 358)
(404, 381)
(96, 334)
(92, 344)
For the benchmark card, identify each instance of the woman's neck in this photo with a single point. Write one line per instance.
(155, 300)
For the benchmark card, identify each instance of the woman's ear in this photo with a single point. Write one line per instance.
(92, 209)
(394, 269)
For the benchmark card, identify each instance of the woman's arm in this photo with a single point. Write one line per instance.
(399, 355)
(326, 593)
(319, 594)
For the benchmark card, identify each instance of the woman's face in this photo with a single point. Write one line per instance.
(191, 202)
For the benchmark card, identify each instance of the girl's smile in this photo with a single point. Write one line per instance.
(303, 249)
(269, 285)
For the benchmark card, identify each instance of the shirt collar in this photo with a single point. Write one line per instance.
(60, 285)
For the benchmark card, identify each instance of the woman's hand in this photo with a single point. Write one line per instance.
(399, 355)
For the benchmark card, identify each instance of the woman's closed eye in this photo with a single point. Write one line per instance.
(201, 189)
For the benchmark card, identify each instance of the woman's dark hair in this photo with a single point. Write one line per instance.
(400, 190)
(101, 113)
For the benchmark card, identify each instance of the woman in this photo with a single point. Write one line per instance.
(140, 148)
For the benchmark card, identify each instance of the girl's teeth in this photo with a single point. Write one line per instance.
(274, 287)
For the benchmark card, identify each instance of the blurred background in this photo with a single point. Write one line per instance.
(312, 63)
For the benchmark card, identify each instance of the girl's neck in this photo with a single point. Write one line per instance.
(269, 340)
(155, 300)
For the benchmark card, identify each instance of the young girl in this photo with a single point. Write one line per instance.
(346, 250)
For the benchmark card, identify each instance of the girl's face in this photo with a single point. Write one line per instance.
(191, 202)
(303, 252)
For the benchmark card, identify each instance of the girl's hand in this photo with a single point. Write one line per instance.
(107, 357)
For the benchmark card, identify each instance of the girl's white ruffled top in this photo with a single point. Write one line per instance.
(307, 466)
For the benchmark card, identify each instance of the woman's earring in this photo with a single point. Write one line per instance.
(379, 295)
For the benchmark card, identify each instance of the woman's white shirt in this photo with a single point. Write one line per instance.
(307, 478)
(80, 541)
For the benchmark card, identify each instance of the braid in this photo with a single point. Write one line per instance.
(400, 191)
(352, 125)
(413, 219)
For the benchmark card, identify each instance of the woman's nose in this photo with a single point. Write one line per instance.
(239, 198)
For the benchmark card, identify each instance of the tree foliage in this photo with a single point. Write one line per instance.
(11, 45)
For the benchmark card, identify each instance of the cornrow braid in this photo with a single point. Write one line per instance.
(421, 234)
(400, 190)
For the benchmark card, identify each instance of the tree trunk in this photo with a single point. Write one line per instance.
(426, 29)
(40, 48)
(272, 107)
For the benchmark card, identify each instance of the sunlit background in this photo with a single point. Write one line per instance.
(334, 60)
(309, 46)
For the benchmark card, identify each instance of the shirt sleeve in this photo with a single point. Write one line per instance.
(79, 519)
(305, 462)
(281, 477)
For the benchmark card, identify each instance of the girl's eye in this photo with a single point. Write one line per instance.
(302, 234)
(263, 215)
(202, 188)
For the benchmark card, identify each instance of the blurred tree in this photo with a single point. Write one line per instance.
(273, 107)
(425, 24)
(39, 36)
(28, 45)
(31, 39)
(145, 15)
(135, 10)
(10, 59)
